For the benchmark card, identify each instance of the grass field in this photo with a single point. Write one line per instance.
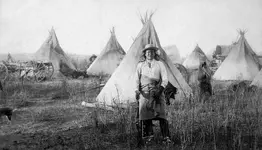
(50, 116)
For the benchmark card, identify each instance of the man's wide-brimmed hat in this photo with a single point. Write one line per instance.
(151, 47)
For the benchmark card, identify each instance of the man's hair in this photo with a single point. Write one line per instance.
(143, 57)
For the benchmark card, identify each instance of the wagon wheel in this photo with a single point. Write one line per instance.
(50, 70)
(3, 72)
(43, 71)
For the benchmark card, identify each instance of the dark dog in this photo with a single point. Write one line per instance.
(8, 112)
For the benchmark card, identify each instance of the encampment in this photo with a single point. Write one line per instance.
(120, 88)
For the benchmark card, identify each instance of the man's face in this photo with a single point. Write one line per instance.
(150, 54)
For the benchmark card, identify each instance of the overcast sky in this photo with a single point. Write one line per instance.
(83, 26)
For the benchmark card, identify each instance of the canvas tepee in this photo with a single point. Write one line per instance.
(258, 79)
(194, 59)
(52, 52)
(120, 88)
(240, 64)
(109, 58)
(192, 63)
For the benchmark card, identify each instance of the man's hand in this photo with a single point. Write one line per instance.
(137, 94)
(157, 93)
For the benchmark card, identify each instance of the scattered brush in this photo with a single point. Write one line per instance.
(62, 92)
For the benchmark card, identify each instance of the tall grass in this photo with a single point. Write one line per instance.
(231, 119)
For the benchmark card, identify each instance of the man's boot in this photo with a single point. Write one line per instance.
(165, 131)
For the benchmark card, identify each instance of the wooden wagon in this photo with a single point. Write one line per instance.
(30, 70)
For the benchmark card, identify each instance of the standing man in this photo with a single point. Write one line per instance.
(151, 79)
(204, 78)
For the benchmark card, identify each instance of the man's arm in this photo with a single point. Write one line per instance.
(137, 80)
(137, 76)
(163, 73)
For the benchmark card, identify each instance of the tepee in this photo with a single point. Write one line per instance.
(51, 51)
(120, 88)
(194, 59)
(240, 64)
(109, 58)
(173, 53)
(258, 79)
(192, 63)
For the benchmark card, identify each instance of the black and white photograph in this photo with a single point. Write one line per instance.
(130, 74)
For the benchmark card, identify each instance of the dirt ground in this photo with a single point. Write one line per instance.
(48, 116)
